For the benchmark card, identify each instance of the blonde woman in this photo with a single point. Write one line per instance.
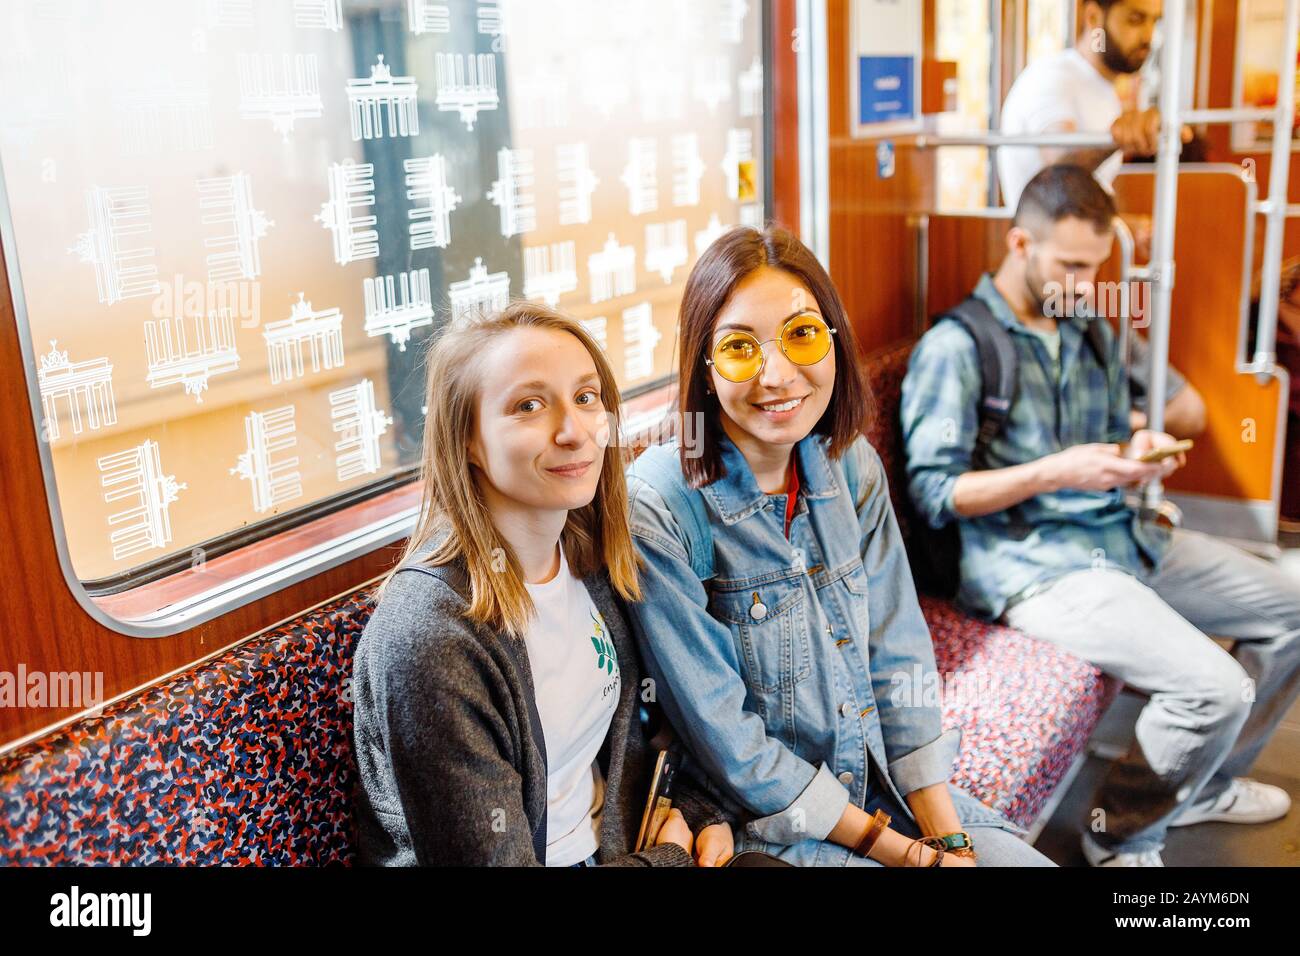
(497, 688)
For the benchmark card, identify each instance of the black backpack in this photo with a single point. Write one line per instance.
(935, 555)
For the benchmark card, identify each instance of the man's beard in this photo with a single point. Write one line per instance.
(1069, 301)
(1034, 286)
(1118, 60)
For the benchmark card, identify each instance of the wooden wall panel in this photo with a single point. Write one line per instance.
(872, 254)
(1203, 335)
(785, 115)
(1223, 45)
(960, 251)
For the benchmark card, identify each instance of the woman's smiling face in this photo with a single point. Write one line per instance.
(782, 403)
(541, 427)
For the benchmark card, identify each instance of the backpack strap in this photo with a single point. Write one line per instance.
(455, 577)
(999, 369)
(660, 468)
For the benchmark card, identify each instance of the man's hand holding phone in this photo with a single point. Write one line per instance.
(1158, 448)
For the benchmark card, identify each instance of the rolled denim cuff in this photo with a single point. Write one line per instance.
(812, 816)
(926, 765)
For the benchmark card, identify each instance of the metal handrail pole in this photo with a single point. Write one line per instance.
(1278, 173)
(1164, 218)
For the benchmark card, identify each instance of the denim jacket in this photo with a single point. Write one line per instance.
(793, 674)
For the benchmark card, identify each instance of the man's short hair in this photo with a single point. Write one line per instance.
(1064, 192)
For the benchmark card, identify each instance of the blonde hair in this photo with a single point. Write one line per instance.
(595, 536)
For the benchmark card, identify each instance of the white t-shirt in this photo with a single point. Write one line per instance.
(1061, 86)
(576, 676)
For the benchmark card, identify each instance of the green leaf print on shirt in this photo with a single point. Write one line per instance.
(605, 657)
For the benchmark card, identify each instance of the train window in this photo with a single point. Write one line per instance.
(1047, 28)
(231, 227)
(962, 34)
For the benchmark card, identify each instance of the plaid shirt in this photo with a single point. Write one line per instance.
(1011, 553)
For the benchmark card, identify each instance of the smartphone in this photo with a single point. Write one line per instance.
(660, 800)
(1165, 451)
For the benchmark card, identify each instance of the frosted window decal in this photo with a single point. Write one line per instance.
(639, 340)
(512, 192)
(359, 426)
(688, 169)
(383, 101)
(189, 350)
(467, 84)
(135, 478)
(239, 223)
(433, 202)
(352, 193)
(319, 333)
(426, 17)
(612, 270)
(577, 183)
(281, 89)
(86, 388)
(395, 305)
(266, 464)
(665, 247)
(119, 219)
(481, 293)
(641, 176)
(550, 272)
(749, 86)
(227, 202)
(318, 14)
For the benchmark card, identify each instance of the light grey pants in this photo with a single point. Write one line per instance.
(1210, 712)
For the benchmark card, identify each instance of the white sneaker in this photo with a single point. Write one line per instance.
(1245, 801)
(1098, 855)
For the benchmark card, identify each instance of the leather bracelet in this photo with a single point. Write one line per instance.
(935, 843)
(879, 821)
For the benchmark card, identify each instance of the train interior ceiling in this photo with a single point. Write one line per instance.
(230, 229)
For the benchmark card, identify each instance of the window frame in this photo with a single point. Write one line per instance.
(225, 597)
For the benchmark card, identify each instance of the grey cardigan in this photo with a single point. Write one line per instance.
(452, 770)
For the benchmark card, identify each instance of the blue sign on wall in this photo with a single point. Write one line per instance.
(886, 88)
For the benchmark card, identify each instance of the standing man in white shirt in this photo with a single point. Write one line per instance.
(1075, 91)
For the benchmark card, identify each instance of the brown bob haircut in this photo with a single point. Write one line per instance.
(730, 259)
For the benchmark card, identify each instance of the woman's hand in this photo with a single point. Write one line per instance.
(951, 860)
(675, 830)
(714, 846)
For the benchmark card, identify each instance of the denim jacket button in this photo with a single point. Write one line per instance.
(845, 709)
(846, 778)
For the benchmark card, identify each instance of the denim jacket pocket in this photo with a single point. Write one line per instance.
(843, 593)
(768, 620)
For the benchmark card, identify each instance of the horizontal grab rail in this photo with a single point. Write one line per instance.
(1078, 140)
(1082, 140)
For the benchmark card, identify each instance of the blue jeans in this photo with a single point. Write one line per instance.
(1210, 711)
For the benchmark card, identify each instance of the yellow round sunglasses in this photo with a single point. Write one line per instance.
(805, 339)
